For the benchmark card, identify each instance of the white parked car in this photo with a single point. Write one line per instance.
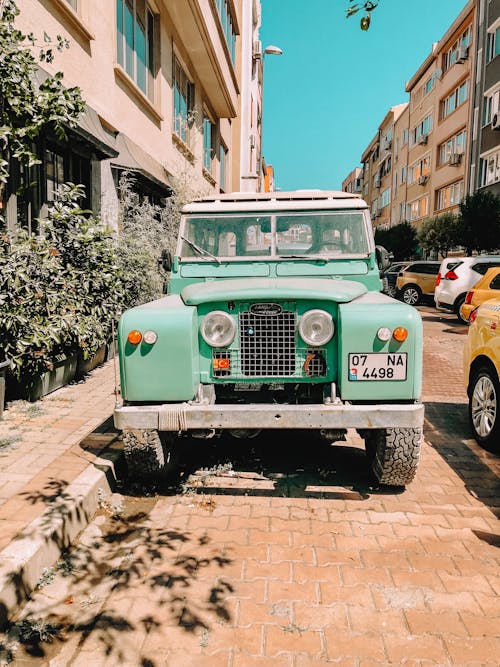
(456, 276)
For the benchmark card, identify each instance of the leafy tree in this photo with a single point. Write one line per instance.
(365, 5)
(400, 240)
(26, 108)
(441, 233)
(480, 222)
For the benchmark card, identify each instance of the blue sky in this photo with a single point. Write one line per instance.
(326, 95)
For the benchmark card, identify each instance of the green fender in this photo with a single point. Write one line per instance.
(168, 370)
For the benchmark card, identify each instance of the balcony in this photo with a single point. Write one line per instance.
(200, 30)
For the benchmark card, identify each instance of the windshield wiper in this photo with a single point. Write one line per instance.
(200, 251)
(322, 258)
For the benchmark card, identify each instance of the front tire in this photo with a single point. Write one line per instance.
(394, 454)
(484, 410)
(411, 294)
(149, 456)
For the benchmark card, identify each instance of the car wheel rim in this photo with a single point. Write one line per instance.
(484, 406)
(410, 297)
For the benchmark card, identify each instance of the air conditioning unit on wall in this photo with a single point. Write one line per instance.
(423, 180)
(423, 139)
(495, 121)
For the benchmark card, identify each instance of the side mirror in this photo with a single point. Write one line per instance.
(166, 260)
(383, 258)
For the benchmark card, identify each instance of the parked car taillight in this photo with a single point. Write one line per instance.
(468, 298)
(451, 275)
(473, 316)
(438, 279)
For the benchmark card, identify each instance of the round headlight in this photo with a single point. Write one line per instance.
(316, 327)
(218, 329)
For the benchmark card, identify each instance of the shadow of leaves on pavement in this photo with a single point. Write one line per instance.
(125, 578)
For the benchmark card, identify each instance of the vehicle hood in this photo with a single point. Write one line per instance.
(273, 289)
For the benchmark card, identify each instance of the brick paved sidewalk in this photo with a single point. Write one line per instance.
(50, 462)
(48, 440)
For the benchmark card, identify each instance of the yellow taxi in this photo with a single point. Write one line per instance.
(482, 373)
(488, 287)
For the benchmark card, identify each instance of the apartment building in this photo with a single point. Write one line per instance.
(440, 111)
(378, 160)
(417, 166)
(400, 167)
(164, 92)
(485, 139)
(354, 181)
(368, 160)
(246, 159)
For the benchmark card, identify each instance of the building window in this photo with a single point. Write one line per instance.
(183, 103)
(208, 143)
(420, 169)
(452, 55)
(453, 101)
(421, 130)
(54, 169)
(135, 42)
(429, 85)
(492, 45)
(454, 146)
(489, 169)
(227, 26)
(402, 211)
(450, 195)
(223, 166)
(406, 134)
(404, 171)
(490, 106)
(418, 208)
(385, 198)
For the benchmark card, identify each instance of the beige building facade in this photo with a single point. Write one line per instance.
(354, 181)
(440, 121)
(163, 85)
(417, 164)
(378, 169)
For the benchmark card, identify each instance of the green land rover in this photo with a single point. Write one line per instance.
(274, 319)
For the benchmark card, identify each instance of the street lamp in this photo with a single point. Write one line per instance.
(270, 50)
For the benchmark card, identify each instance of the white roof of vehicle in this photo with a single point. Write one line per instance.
(276, 201)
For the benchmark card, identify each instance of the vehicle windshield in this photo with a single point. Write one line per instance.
(324, 235)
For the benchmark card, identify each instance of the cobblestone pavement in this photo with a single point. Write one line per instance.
(279, 552)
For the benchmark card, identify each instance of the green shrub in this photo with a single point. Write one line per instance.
(59, 292)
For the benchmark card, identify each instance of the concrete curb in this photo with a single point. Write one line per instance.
(40, 544)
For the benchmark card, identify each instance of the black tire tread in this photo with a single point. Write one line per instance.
(147, 457)
(394, 454)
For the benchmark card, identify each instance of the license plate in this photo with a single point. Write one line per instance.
(377, 366)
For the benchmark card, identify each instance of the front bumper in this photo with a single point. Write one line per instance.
(194, 416)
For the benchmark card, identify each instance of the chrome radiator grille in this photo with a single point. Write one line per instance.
(267, 344)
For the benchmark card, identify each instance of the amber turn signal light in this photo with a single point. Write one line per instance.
(400, 334)
(134, 337)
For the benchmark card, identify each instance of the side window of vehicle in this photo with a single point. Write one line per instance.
(495, 283)
(482, 267)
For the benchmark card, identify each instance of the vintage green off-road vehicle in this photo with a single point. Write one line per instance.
(273, 319)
